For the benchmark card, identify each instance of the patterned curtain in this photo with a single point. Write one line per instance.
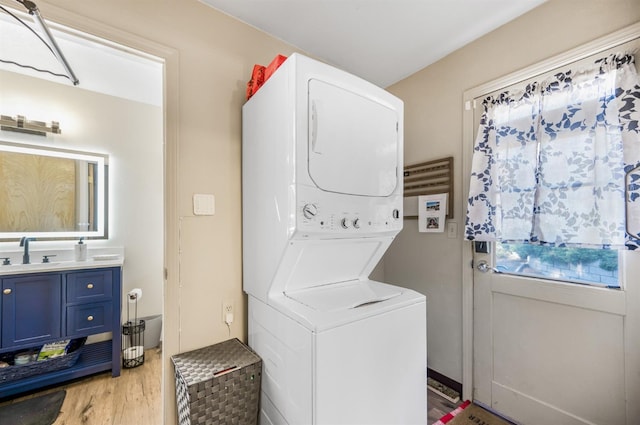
(557, 162)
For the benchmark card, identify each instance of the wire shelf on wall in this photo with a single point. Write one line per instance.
(429, 178)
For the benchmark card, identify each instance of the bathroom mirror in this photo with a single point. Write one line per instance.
(50, 193)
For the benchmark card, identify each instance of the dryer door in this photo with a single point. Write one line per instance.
(353, 142)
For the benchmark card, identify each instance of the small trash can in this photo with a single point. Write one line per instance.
(218, 384)
(152, 331)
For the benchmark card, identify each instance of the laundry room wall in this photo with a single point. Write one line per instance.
(432, 263)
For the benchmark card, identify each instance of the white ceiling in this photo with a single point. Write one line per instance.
(382, 41)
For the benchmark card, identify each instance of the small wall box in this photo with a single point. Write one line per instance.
(218, 384)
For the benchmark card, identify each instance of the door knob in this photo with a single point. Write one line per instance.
(483, 266)
(6, 291)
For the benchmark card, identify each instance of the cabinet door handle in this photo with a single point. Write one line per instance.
(90, 285)
(90, 318)
(7, 291)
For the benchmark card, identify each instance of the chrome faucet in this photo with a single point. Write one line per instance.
(25, 242)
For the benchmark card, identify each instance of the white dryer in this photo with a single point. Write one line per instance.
(322, 201)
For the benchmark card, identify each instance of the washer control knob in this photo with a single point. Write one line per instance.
(346, 223)
(356, 223)
(309, 211)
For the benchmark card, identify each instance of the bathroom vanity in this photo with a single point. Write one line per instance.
(44, 303)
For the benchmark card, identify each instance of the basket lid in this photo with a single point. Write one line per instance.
(213, 361)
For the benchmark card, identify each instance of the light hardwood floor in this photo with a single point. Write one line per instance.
(134, 398)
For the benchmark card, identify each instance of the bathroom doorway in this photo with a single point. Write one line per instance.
(118, 108)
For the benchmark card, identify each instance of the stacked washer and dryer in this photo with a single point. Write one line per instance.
(322, 165)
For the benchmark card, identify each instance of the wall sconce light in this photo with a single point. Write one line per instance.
(21, 125)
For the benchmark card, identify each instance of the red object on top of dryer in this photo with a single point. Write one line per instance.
(256, 81)
(275, 64)
(261, 74)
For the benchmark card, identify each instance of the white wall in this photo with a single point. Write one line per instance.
(130, 133)
(432, 263)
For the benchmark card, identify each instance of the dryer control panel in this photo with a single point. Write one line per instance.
(335, 215)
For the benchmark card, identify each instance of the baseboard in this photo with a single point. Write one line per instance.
(454, 385)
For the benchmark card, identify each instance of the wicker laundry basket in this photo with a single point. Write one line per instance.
(218, 384)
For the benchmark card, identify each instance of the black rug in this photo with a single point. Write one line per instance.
(41, 410)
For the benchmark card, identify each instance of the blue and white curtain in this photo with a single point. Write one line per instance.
(557, 163)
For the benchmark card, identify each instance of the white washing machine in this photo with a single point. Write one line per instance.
(322, 201)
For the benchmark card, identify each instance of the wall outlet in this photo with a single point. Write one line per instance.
(227, 312)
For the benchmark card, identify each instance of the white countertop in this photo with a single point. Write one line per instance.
(61, 260)
(54, 266)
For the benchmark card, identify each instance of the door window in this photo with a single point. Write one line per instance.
(578, 265)
(551, 168)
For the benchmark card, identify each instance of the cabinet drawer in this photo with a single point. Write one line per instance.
(89, 286)
(85, 319)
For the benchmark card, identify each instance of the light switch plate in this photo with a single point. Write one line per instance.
(204, 204)
(452, 230)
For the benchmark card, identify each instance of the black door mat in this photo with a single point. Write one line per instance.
(41, 410)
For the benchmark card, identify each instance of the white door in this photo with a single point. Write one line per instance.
(551, 352)
(547, 350)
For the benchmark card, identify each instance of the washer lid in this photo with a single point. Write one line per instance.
(353, 142)
(345, 295)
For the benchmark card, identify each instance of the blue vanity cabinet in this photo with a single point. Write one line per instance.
(42, 307)
(31, 312)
